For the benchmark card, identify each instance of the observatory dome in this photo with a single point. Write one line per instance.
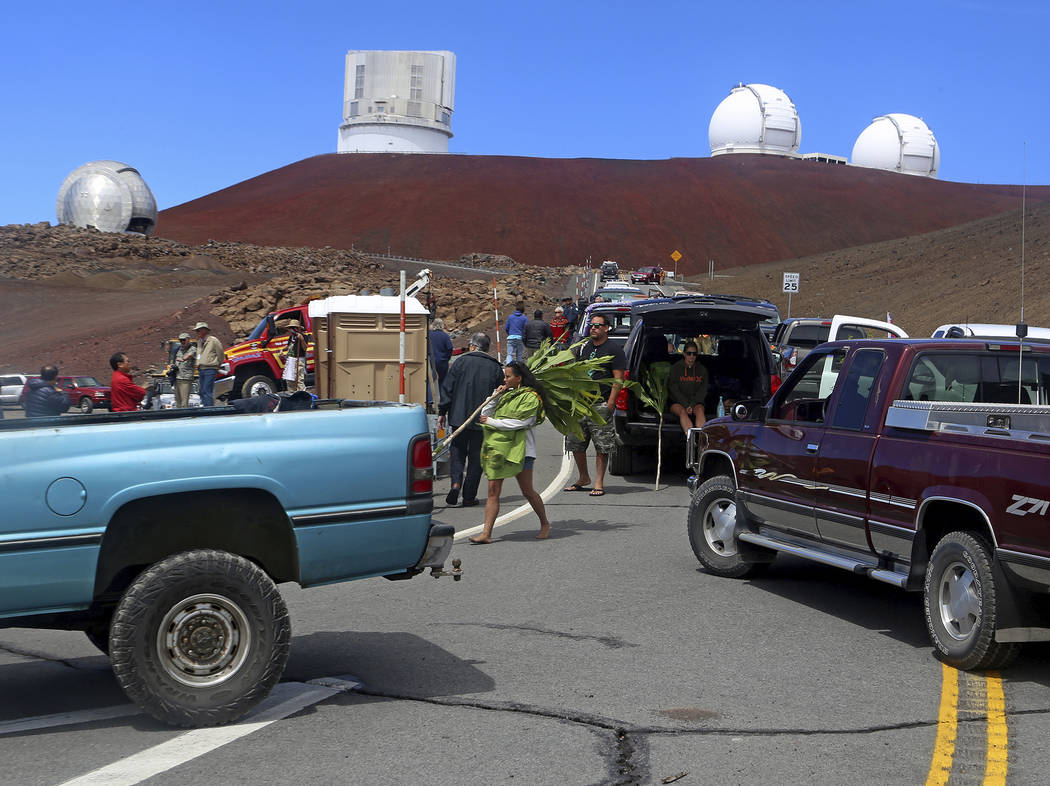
(898, 143)
(109, 196)
(755, 119)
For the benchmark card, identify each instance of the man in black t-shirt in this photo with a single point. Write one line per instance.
(603, 436)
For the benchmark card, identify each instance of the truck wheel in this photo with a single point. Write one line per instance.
(712, 530)
(621, 462)
(962, 603)
(258, 385)
(86, 405)
(200, 638)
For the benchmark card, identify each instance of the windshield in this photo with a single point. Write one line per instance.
(87, 382)
(257, 333)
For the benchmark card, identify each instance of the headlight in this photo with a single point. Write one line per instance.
(224, 370)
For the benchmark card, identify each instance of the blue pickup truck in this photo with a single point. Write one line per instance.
(163, 535)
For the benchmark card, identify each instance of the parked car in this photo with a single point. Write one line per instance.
(795, 337)
(917, 463)
(981, 330)
(733, 349)
(11, 388)
(608, 271)
(619, 316)
(85, 393)
(613, 294)
(650, 274)
(164, 395)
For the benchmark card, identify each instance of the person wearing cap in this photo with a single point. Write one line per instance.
(294, 373)
(570, 313)
(185, 364)
(209, 357)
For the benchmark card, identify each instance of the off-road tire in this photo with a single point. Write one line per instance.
(209, 611)
(712, 514)
(621, 461)
(85, 405)
(257, 383)
(962, 601)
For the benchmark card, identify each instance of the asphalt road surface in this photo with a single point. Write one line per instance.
(600, 656)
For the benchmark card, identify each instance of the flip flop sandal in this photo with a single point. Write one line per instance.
(576, 487)
(597, 493)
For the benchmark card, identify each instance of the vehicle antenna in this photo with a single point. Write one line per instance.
(1022, 328)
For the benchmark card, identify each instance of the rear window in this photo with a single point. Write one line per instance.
(808, 336)
(999, 378)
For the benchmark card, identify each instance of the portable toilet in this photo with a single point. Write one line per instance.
(357, 340)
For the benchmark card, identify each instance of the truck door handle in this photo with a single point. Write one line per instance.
(812, 447)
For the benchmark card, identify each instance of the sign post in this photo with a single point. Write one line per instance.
(791, 284)
(676, 255)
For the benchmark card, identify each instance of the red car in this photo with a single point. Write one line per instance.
(85, 393)
(651, 274)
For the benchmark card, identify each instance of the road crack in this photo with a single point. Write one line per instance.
(628, 758)
(612, 642)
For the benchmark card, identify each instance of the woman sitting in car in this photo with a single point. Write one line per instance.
(687, 388)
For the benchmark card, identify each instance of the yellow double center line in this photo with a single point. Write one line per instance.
(956, 752)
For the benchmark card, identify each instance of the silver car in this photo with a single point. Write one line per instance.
(11, 388)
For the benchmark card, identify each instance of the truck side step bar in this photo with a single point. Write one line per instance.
(826, 558)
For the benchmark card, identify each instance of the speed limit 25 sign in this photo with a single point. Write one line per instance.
(791, 282)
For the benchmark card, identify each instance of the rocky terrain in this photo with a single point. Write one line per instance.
(74, 296)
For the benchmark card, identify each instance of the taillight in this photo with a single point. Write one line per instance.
(774, 383)
(621, 397)
(421, 480)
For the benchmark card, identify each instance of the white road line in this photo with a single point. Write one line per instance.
(555, 486)
(67, 718)
(287, 698)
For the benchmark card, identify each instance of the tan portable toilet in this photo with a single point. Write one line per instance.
(357, 339)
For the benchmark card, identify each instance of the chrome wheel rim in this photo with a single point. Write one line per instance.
(203, 640)
(260, 389)
(720, 526)
(959, 601)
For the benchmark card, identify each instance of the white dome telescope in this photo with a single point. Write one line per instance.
(755, 119)
(108, 195)
(898, 143)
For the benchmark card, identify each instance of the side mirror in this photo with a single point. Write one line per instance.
(752, 409)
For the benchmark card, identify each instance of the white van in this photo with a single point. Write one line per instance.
(982, 330)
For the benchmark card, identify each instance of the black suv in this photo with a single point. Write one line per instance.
(732, 348)
(609, 271)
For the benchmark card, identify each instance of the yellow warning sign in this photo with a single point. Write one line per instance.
(675, 255)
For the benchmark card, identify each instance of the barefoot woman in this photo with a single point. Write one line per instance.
(509, 447)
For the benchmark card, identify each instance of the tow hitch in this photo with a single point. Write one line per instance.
(456, 573)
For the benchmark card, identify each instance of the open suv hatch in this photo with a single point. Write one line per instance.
(733, 349)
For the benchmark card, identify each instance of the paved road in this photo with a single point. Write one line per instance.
(602, 655)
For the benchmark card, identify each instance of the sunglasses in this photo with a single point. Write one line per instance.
(597, 325)
(691, 353)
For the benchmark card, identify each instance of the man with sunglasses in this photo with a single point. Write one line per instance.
(603, 436)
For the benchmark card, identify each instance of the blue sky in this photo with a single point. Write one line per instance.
(199, 96)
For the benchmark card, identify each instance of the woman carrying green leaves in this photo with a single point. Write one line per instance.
(508, 449)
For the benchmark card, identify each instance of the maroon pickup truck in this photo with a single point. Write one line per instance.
(921, 463)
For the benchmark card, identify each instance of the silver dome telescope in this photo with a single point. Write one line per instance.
(107, 195)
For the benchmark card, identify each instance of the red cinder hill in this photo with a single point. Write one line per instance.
(736, 210)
